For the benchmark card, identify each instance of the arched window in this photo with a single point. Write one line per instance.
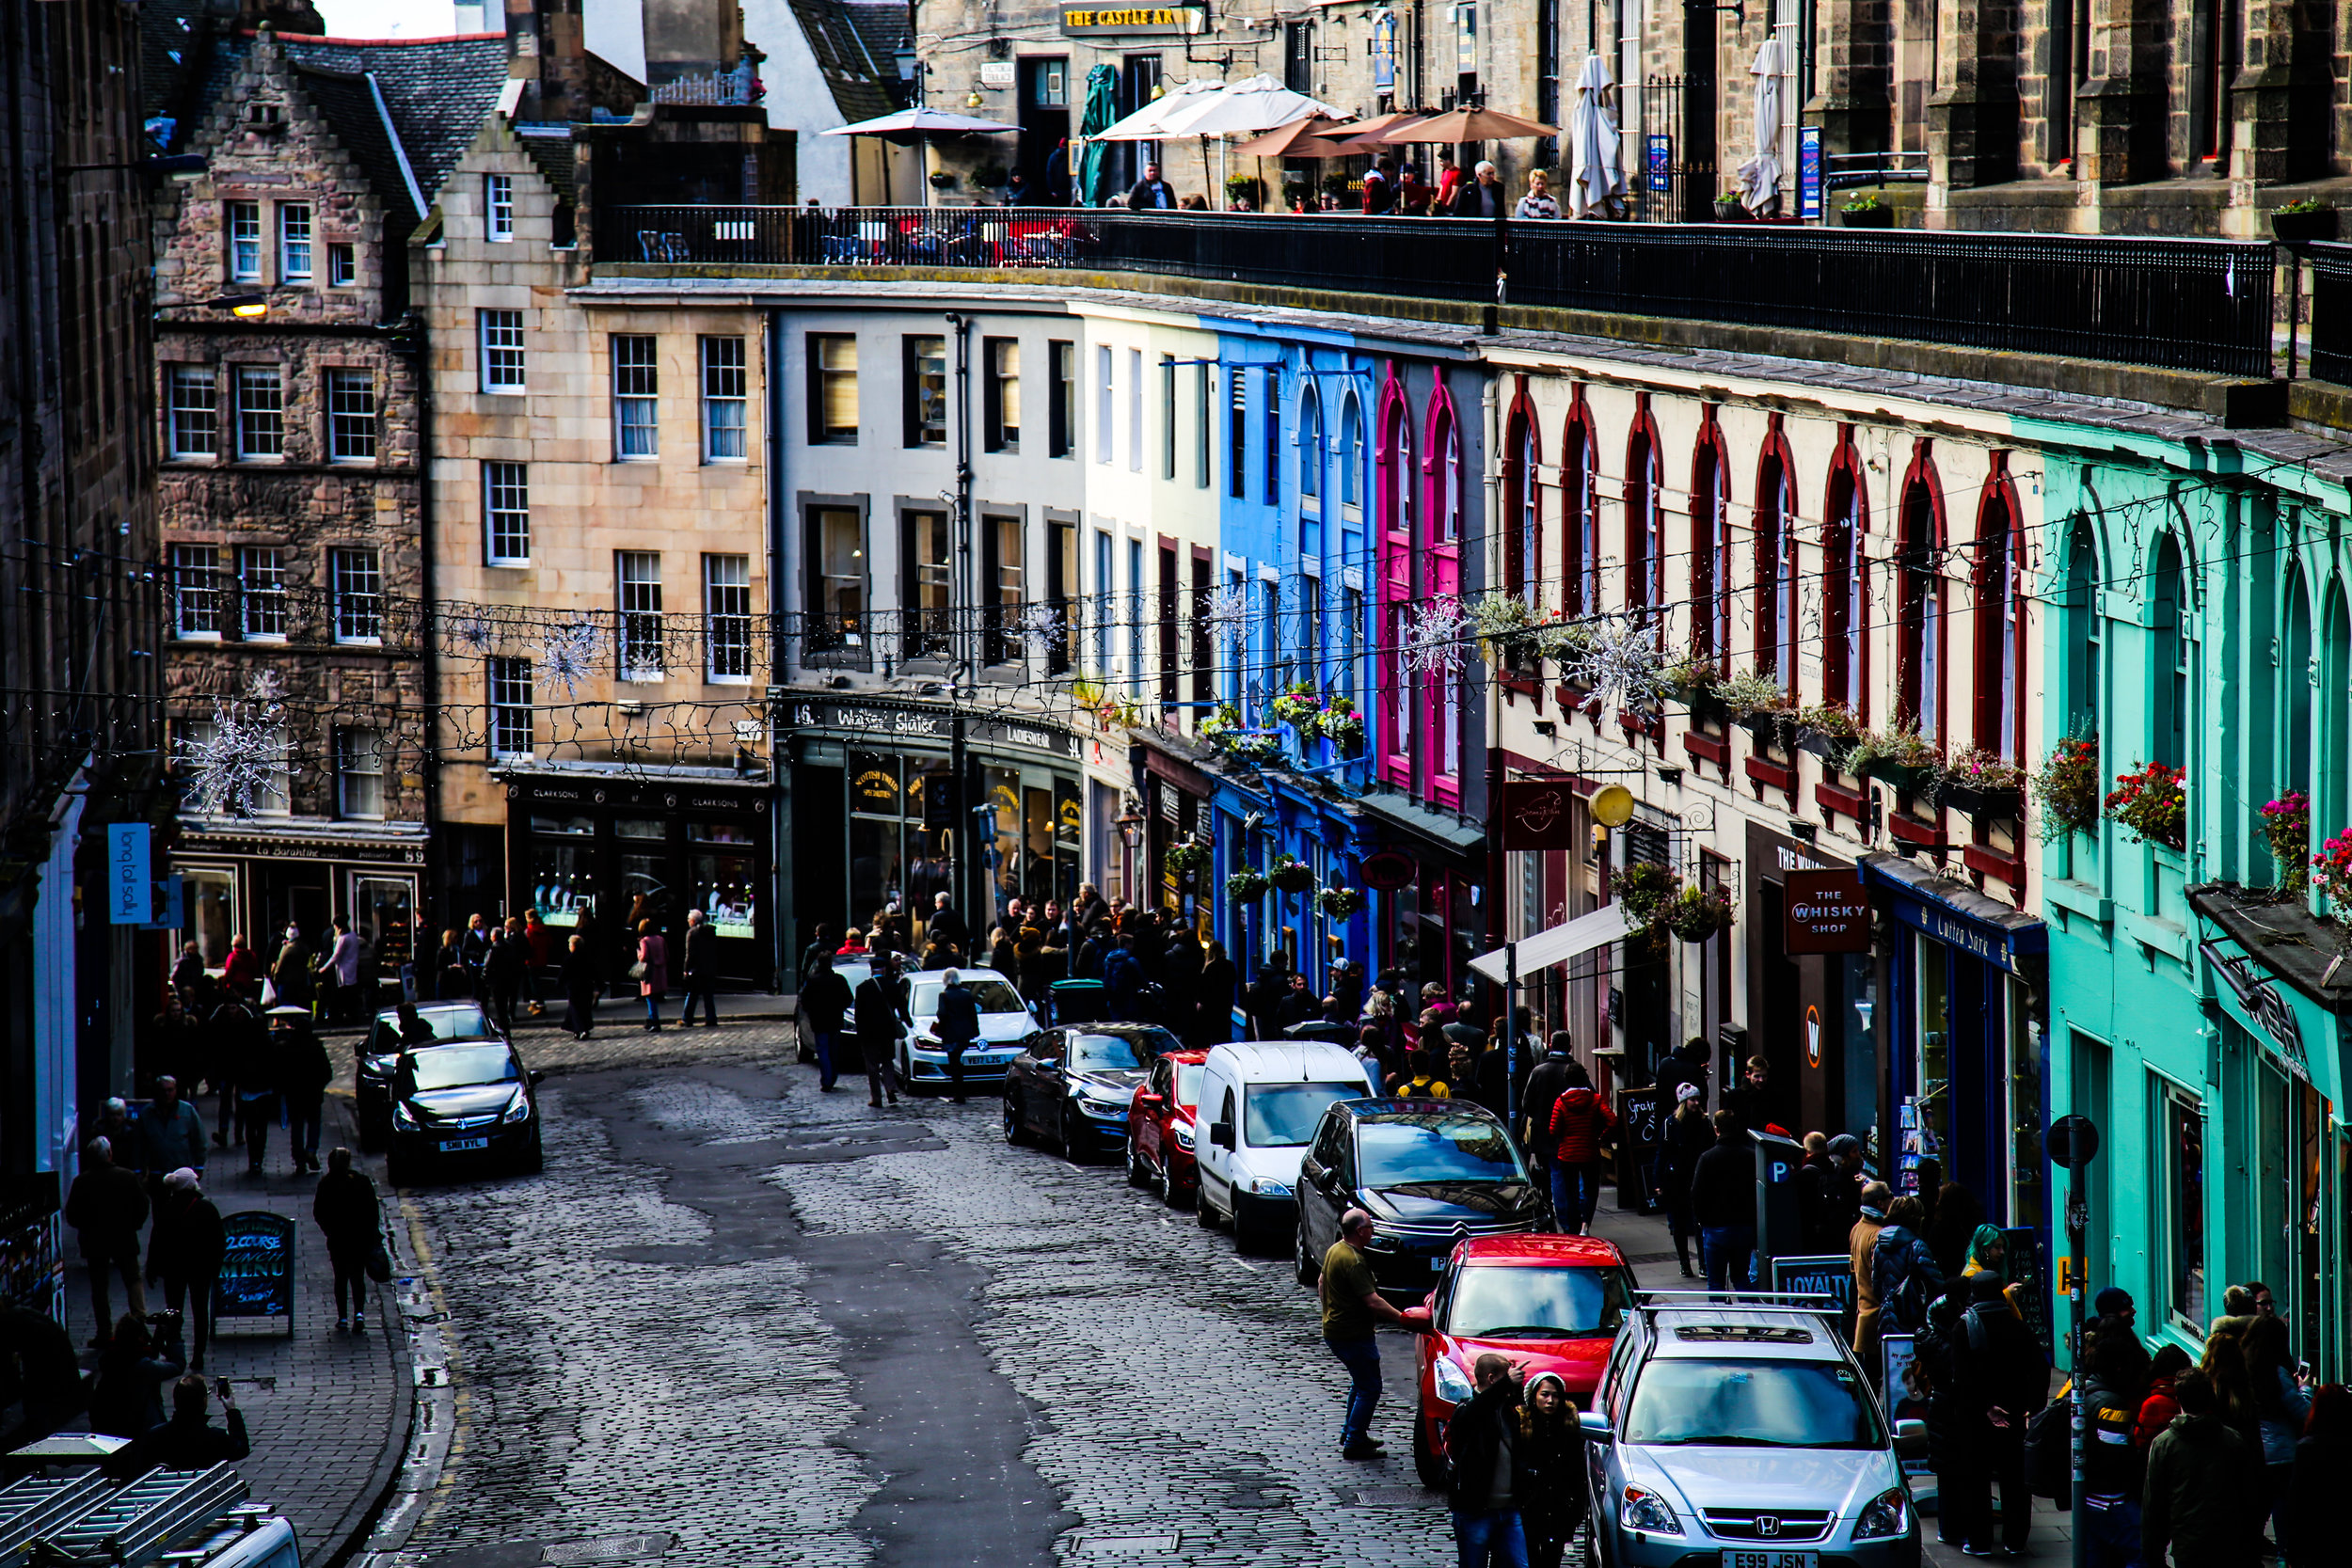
(1399, 474)
(1522, 502)
(1311, 454)
(1351, 455)
(2086, 630)
(1919, 611)
(1445, 481)
(2294, 684)
(1644, 543)
(1579, 530)
(2173, 649)
(1842, 610)
(1710, 550)
(2000, 726)
(1776, 569)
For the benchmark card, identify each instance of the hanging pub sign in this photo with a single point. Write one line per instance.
(1825, 911)
(1535, 814)
(1091, 22)
(1387, 871)
(1384, 51)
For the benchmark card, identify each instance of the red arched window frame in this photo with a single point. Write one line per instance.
(1439, 557)
(1580, 512)
(1394, 483)
(1776, 560)
(1922, 600)
(2000, 654)
(1645, 530)
(1845, 612)
(1711, 573)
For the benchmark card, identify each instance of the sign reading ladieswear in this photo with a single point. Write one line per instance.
(1086, 22)
(1826, 912)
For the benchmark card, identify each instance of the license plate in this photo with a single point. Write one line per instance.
(1436, 1265)
(1751, 1558)
(459, 1146)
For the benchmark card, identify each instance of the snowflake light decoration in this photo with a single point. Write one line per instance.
(265, 686)
(569, 655)
(1622, 665)
(1436, 635)
(240, 763)
(473, 632)
(1042, 628)
(1227, 609)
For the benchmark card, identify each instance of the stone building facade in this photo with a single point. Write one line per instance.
(294, 529)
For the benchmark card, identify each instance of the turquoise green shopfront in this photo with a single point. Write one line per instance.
(2195, 598)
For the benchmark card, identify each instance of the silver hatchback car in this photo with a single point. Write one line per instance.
(1744, 1435)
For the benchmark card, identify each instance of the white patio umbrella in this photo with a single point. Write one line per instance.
(1150, 123)
(1595, 176)
(922, 123)
(1245, 108)
(1759, 177)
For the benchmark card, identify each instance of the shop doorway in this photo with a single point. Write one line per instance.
(383, 917)
(1044, 121)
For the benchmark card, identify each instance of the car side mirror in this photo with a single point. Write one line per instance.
(1221, 1134)
(1910, 1439)
(538, 1077)
(1593, 1423)
(1420, 1319)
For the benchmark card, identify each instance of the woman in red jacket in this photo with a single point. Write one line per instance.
(1580, 1123)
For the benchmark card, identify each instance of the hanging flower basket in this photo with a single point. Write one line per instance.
(2066, 788)
(1245, 887)
(1339, 903)
(1646, 887)
(2152, 803)
(1695, 914)
(1300, 705)
(2331, 872)
(1343, 727)
(1291, 875)
(2287, 824)
(1188, 860)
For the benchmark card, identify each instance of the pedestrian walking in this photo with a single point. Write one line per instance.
(473, 950)
(1861, 1244)
(2202, 1497)
(345, 1208)
(1751, 1101)
(127, 1399)
(1213, 1022)
(240, 1048)
(303, 1071)
(1686, 1063)
(106, 1207)
(701, 959)
(2000, 1377)
(946, 925)
(651, 971)
(2115, 1466)
(2322, 1479)
(1352, 1310)
(170, 1135)
(1538, 203)
(580, 988)
(1485, 1450)
(1904, 1277)
(538, 955)
(1547, 1081)
(825, 1001)
(290, 976)
(957, 1024)
(880, 1009)
(450, 982)
(188, 1244)
(341, 969)
(187, 1441)
(1550, 1452)
(1582, 1123)
(241, 971)
(502, 972)
(1687, 1136)
(2282, 1403)
(1723, 1201)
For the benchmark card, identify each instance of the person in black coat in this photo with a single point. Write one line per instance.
(304, 1070)
(1683, 1139)
(345, 1208)
(188, 1244)
(702, 970)
(1152, 192)
(827, 939)
(1998, 1378)
(880, 1005)
(946, 926)
(1723, 1201)
(1551, 1451)
(127, 1399)
(1484, 1443)
(956, 1024)
(581, 986)
(187, 1441)
(1212, 1021)
(824, 1001)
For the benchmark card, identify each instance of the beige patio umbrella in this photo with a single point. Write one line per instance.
(1300, 138)
(1362, 136)
(1465, 125)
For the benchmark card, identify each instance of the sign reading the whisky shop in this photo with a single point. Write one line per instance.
(1087, 21)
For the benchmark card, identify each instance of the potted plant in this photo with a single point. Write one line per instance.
(1220, 725)
(1865, 212)
(2331, 872)
(2066, 788)
(1728, 208)
(1297, 706)
(1245, 887)
(1695, 914)
(992, 177)
(2301, 222)
(1900, 757)
(1240, 188)
(1343, 726)
(1646, 887)
(2287, 824)
(943, 180)
(1189, 860)
(1984, 784)
(1288, 874)
(1829, 731)
(1339, 903)
(2151, 802)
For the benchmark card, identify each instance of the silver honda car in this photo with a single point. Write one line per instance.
(1744, 1436)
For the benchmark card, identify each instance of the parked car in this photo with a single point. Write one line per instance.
(1747, 1436)
(1005, 1025)
(1074, 1085)
(1262, 1101)
(1552, 1303)
(853, 973)
(472, 1103)
(1160, 1129)
(1429, 1172)
(451, 1023)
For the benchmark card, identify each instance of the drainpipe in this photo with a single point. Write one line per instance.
(779, 800)
(1499, 901)
(965, 585)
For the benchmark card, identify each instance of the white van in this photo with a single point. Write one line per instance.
(1260, 1102)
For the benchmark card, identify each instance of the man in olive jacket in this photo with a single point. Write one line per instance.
(2204, 1489)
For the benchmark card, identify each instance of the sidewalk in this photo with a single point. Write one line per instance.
(327, 1412)
(617, 1013)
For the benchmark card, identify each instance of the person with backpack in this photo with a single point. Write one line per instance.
(957, 1024)
(1998, 1378)
(1546, 1083)
(2201, 1501)
(1685, 1137)
(2115, 1466)
(1905, 1279)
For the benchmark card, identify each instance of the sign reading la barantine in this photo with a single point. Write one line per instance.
(1130, 21)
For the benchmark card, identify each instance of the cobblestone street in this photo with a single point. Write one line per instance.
(781, 1326)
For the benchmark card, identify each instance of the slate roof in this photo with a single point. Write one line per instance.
(175, 44)
(854, 73)
(350, 105)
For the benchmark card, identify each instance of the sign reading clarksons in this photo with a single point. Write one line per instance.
(1079, 22)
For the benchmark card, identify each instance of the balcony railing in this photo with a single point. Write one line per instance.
(2199, 305)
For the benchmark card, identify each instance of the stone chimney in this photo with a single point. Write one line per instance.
(545, 49)
(691, 41)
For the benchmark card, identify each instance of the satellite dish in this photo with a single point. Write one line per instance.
(1612, 805)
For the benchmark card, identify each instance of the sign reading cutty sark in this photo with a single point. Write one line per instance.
(1086, 22)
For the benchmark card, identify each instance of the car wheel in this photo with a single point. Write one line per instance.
(1139, 1173)
(1074, 1146)
(1305, 1261)
(1016, 1132)
(1426, 1463)
(535, 1159)
(1202, 1215)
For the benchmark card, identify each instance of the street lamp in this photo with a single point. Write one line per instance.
(1130, 824)
(246, 307)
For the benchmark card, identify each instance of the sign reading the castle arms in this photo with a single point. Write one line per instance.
(1079, 22)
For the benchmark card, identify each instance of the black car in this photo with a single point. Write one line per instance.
(470, 1103)
(1429, 1172)
(450, 1024)
(1072, 1086)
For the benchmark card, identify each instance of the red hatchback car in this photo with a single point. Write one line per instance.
(1160, 1129)
(1552, 1303)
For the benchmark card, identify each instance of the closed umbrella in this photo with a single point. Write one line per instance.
(1595, 180)
(1759, 177)
(1094, 159)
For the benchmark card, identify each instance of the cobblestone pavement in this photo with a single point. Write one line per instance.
(781, 1327)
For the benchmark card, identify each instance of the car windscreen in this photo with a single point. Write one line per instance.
(1704, 1402)
(1283, 1116)
(460, 1024)
(454, 1066)
(1398, 1151)
(1130, 1052)
(1189, 1083)
(1523, 1302)
(993, 996)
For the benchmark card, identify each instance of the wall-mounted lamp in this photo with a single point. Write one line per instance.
(1803, 832)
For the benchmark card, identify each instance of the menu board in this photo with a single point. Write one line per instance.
(257, 1268)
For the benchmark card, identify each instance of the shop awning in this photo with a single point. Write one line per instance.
(1580, 936)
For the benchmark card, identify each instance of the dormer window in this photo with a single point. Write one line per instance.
(268, 119)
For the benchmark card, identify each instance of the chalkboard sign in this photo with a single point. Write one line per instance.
(2028, 1267)
(1643, 1119)
(257, 1269)
(1829, 1273)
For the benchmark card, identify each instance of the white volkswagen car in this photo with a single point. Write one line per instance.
(1005, 1027)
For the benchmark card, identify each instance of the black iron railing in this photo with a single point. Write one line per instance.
(2330, 312)
(2201, 304)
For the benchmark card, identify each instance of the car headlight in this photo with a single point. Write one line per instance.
(403, 1118)
(1454, 1384)
(1269, 1189)
(1647, 1510)
(1888, 1514)
(1183, 1139)
(518, 1109)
